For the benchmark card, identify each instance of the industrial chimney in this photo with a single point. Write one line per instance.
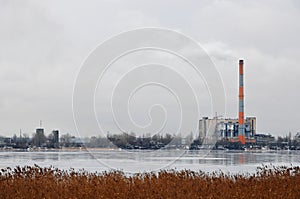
(241, 129)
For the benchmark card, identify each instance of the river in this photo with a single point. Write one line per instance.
(140, 161)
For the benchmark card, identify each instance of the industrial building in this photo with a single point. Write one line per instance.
(226, 128)
(55, 139)
(264, 139)
(233, 130)
(39, 138)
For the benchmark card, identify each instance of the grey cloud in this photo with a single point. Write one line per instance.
(43, 44)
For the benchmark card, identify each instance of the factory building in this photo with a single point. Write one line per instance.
(233, 130)
(226, 128)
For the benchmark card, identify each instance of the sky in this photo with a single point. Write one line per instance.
(45, 43)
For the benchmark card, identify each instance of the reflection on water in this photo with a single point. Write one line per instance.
(139, 161)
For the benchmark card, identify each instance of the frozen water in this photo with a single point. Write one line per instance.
(141, 161)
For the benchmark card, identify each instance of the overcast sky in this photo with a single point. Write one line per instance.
(44, 43)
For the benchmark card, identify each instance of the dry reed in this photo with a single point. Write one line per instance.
(37, 182)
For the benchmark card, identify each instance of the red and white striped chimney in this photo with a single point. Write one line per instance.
(241, 128)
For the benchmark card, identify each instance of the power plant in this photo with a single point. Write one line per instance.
(231, 130)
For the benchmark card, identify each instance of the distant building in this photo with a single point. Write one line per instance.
(39, 131)
(264, 139)
(39, 139)
(55, 134)
(70, 141)
(225, 128)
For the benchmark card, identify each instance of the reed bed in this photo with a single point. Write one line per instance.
(37, 182)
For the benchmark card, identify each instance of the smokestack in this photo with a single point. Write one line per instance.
(241, 129)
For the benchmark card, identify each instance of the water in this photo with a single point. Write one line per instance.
(140, 161)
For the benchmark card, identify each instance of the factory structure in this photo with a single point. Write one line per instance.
(238, 130)
(227, 129)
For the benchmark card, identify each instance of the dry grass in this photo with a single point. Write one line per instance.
(36, 182)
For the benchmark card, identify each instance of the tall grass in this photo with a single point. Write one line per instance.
(37, 182)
